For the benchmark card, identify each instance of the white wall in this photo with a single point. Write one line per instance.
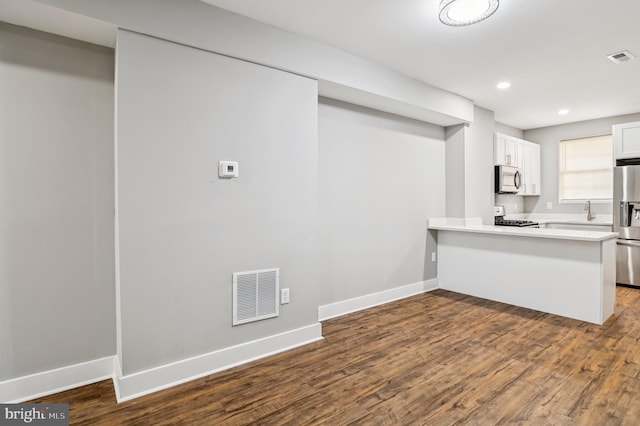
(508, 130)
(56, 202)
(455, 170)
(480, 185)
(548, 138)
(512, 203)
(469, 167)
(381, 177)
(183, 231)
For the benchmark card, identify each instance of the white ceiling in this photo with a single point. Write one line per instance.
(552, 51)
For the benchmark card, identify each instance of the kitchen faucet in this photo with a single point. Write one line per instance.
(587, 207)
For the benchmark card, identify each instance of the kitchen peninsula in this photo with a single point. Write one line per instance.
(563, 272)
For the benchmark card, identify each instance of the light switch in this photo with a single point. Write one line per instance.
(228, 169)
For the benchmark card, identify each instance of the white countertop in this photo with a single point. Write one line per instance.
(475, 225)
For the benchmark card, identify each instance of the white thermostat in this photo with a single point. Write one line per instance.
(228, 169)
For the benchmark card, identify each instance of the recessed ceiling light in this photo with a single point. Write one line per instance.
(563, 111)
(503, 85)
(458, 13)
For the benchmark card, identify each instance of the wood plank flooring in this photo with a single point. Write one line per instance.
(440, 358)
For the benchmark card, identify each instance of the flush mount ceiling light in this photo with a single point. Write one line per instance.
(563, 111)
(503, 85)
(458, 13)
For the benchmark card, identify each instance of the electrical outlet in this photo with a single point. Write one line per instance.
(433, 256)
(549, 205)
(515, 207)
(284, 296)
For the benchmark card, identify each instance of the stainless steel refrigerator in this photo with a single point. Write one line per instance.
(626, 222)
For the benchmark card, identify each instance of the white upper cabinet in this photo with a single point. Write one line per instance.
(520, 153)
(531, 169)
(626, 140)
(511, 151)
(505, 149)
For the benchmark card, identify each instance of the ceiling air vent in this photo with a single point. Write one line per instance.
(621, 57)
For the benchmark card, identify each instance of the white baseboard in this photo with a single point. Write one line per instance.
(117, 372)
(155, 379)
(344, 307)
(58, 380)
(145, 382)
(138, 384)
(165, 376)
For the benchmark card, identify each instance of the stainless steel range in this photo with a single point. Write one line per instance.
(499, 220)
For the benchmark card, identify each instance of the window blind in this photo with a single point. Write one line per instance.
(585, 169)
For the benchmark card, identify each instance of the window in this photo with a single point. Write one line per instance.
(585, 169)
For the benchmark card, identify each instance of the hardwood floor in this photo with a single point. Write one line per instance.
(439, 358)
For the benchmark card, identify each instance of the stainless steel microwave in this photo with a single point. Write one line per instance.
(507, 179)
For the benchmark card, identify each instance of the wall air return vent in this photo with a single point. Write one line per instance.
(255, 295)
(621, 57)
